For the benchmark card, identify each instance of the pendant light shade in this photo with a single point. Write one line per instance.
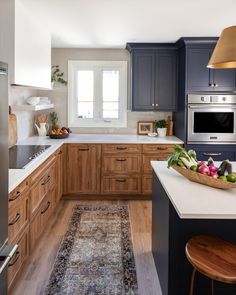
(224, 54)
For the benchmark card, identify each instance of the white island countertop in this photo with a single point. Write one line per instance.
(194, 200)
(16, 176)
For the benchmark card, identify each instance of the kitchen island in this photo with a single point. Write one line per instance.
(183, 209)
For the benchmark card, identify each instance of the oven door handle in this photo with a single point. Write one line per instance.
(211, 105)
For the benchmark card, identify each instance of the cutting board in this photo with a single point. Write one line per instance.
(12, 129)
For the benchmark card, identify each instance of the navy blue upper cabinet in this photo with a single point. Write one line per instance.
(153, 76)
(199, 77)
(143, 81)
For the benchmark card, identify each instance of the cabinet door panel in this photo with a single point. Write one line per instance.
(19, 258)
(166, 80)
(122, 164)
(143, 80)
(198, 75)
(83, 170)
(224, 79)
(147, 184)
(121, 184)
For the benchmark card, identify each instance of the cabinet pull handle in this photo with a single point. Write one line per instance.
(121, 160)
(45, 209)
(120, 180)
(121, 148)
(17, 217)
(46, 180)
(60, 152)
(212, 154)
(162, 148)
(16, 196)
(83, 150)
(17, 255)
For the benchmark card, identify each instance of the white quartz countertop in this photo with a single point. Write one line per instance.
(193, 200)
(16, 176)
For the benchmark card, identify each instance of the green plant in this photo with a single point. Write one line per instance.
(54, 120)
(160, 124)
(57, 75)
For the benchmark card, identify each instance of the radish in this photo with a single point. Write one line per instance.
(213, 169)
(203, 169)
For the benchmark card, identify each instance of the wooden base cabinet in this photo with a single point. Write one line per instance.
(18, 260)
(83, 168)
(39, 223)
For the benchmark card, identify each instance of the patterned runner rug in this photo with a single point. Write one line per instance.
(96, 255)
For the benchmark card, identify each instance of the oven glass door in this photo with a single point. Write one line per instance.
(212, 123)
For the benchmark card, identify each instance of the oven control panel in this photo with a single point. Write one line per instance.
(214, 99)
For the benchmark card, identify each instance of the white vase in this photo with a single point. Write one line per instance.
(161, 132)
(42, 129)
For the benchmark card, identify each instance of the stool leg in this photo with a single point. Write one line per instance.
(212, 287)
(192, 282)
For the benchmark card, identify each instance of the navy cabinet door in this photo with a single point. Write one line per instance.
(143, 81)
(224, 79)
(198, 75)
(166, 80)
(200, 78)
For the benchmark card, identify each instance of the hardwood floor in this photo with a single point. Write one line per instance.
(34, 277)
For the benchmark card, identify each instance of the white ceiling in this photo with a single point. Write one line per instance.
(112, 23)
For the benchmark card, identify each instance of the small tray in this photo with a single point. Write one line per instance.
(58, 136)
(204, 179)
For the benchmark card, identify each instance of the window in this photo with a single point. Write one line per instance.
(97, 94)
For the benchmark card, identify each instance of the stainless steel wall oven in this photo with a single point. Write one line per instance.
(211, 118)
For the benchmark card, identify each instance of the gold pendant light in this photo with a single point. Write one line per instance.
(224, 54)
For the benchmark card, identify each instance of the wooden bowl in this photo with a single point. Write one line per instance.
(204, 179)
(58, 136)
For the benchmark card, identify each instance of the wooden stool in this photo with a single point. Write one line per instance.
(214, 258)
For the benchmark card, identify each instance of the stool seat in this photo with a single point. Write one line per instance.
(213, 257)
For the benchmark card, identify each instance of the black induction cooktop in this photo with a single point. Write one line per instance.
(21, 155)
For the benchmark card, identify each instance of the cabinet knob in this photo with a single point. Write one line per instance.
(216, 85)
(211, 85)
(156, 104)
(153, 104)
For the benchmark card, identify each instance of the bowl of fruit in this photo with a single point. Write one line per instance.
(59, 133)
(207, 173)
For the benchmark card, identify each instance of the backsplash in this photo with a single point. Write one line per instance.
(25, 120)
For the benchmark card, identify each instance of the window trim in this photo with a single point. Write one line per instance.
(72, 119)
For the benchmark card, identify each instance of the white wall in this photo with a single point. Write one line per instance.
(25, 120)
(59, 94)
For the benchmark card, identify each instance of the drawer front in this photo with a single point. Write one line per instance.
(147, 168)
(17, 193)
(18, 217)
(19, 258)
(38, 191)
(203, 155)
(121, 185)
(121, 148)
(147, 184)
(42, 169)
(122, 163)
(162, 149)
(40, 220)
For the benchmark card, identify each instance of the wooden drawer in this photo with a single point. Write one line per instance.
(18, 217)
(39, 222)
(147, 168)
(19, 257)
(41, 188)
(162, 149)
(147, 184)
(121, 184)
(121, 148)
(18, 191)
(41, 169)
(122, 163)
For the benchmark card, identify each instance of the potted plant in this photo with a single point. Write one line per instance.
(161, 127)
(57, 76)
